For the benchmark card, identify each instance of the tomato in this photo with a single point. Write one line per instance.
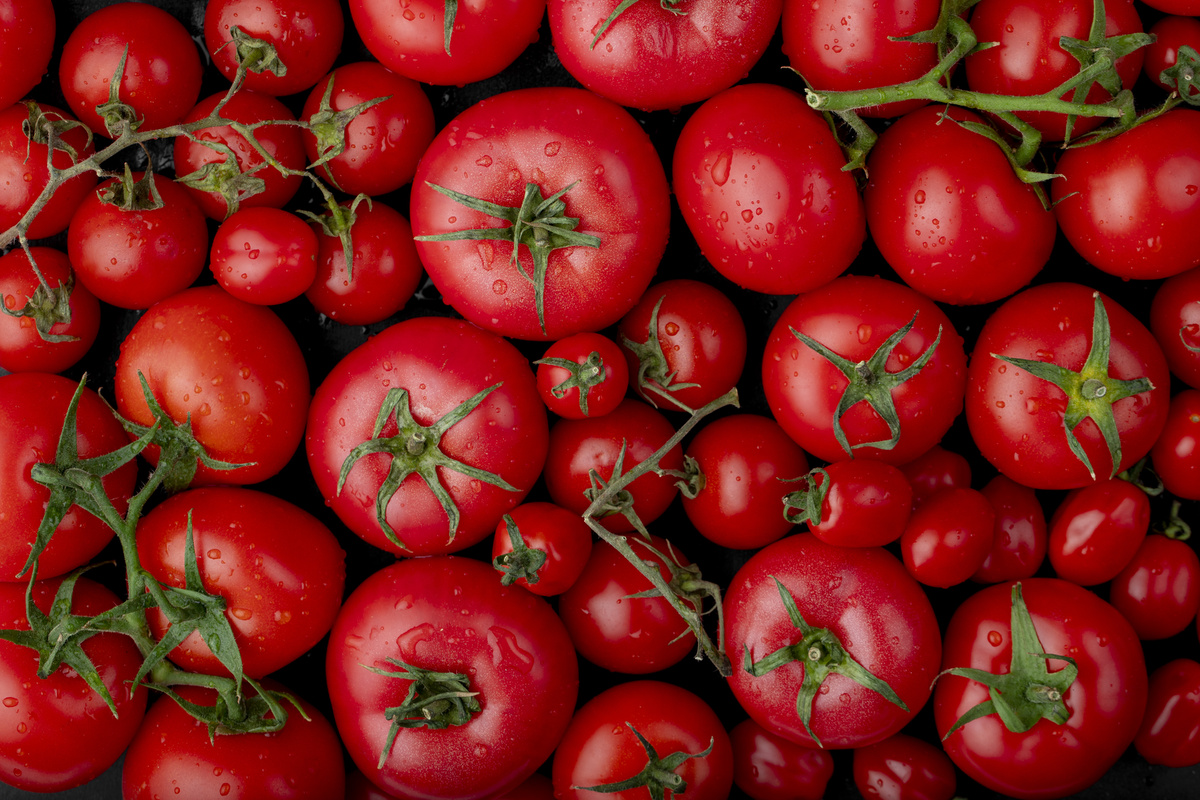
(264, 255)
(1019, 539)
(560, 535)
(758, 175)
(383, 143)
(306, 35)
(949, 214)
(413, 40)
(161, 77)
(1096, 531)
(171, 242)
(686, 343)
(231, 367)
(657, 56)
(1170, 34)
(1175, 321)
(1176, 454)
(769, 767)
(936, 469)
(856, 319)
(582, 375)
(57, 732)
(450, 615)
(546, 142)
(865, 504)
(1158, 591)
(948, 537)
(1130, 204)
(602, 746)
(861, 606)
(1170, 731)
(433, 370)
(26, 43)
(34, 405)
(904, 768)
(23, 348)
(746, 461)
(174, 756)
(1020, 422)
(23, 169)
(1097, 715)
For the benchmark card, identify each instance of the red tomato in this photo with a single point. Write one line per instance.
(1175, 321)
(593, 385)
(231, 367)
(1096, 531)
(264, 256)
(23, 170)
(508, 647)
(561, 536)
(1170, 731)
(1170, 34)
(26, 43)
(904, 768)
(759, 179)
(866, 504)
(948, 537)
(769, 767)
(936, 469)
(601, 747)
(1019, 539)
(23, 348)
(1176, 454)
(1159, 589)
(547, 140)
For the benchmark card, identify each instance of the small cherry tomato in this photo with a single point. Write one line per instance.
(1159, 589)
(948, 537)
(582, 375)
(936, 469)
(1170, 33)
(264, 256)
(1170, 731)
(1019, 538)
(1176, 454)
(904, 767)
(33, 334)
(769, 767)
(863, 503)
(1175, 322)
(1096, 530)
(561, 537)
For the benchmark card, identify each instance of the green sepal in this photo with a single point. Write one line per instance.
(49, 128)
(339, 221)
(622, 502)
(688, 584)
(256, 55)
(1191, 348)
(118, 116)
(130, 195)
(583, 376)
(262, 712)
(47, 307)
(659, 774)
(328, 127)
(435, 700)
(225, 177)
(1182, 75)
(448, 22)
(804, 505)
(654, 375)
(522, 561)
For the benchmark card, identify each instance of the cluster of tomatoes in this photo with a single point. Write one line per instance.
(432, 433)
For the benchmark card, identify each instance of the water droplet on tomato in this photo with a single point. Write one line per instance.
(11, 702)
(552, 148)
(919, 197)
(671, 328)
(242, 613)
(484, 161)
(995, 638)
(214, 553)
(499, 287)
(720, 168)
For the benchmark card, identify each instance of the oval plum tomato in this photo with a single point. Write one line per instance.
(686, 343)
(548, 553)
(1130, 204)
(855, 503)
(264, 256)
(1097, 529)
(1028, 58)
(769, 767)
(1159, 589)
(58, 732)
(949, 214)
(579, 446)
(34, 405)
(303, 759)
(279, 569)
(560, 157)
(383, 143)
(1088, 712)
(1171, 33)
(1176, 454)
(948, 537)
(746, 461)
(1019, 539)
(160, 79)
(171, 240)
(44, 327)
(936, 469)
(851, 45)
(864, 627)
(385, 272)
(425, 435)
(833, 405)
(1175, 321)
(1170, 731)
(281, 142)
(480, 40)
(23, 167)
(1065, 335)
(306, 36)
(582, 375)
(623, 729)
(759, 179)
(657, 56)
(904, 768)
(26, 43)
(508, 648)
(233, 368)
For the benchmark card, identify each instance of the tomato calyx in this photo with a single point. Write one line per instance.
(605, 501)
(119, 117)
(448, 22)
(48, 129)
(583, 376)
(653, 375)
(263, 713)
(1029, 692)
(804, 505)
(1184, 332)
(328, 127)
(338, 221)
(539, 223)
(820, 652)
(1182, 75)
(128, 194)
(47, 306)
(415, 450)
(435, 700)
(667, 5)
(522, 561)
(870, 381)
(1175, 526)
(687, 583)
(1090, 392)
(659, 774)
(254, 55)
(224, 178)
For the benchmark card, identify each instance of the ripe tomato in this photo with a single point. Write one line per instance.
(23, 348)
(450, 615)
(1176, 454)
(1019, 539)
(1175, 321)
(562, 537)
(1158, 591)
(523, 148)
(759, 179)
(948, 537)
(865, 504)
(26, 44)
(936, 469)
(769, 767)
(1096, 530)
(1170, 32)
(904, 768)
(23, 169)
(1170, 731)
(264, 256)
(582, 375)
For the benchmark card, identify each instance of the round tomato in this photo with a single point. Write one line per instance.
(904, 768)
(26, 43)
(23, 170)
(1170, 731)
(936, 469)
(582, 375)
(264, 255)
(1170, 33)
(1019, 539)
(948, 537)
(1176, 454)
(561, 537)
(1158, 591)
(1175, 321)
(862, 503)
(769, 767)
(59, 325)
(1096, 530)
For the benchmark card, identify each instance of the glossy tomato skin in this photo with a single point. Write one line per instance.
(867, 504)
(602, 398)
(759, 180)
(554, 137)
(509, 642)
(22, 348)
(233, 367)
(600, 748)
(561, 534)
(279, 569)
(949, 214)
(304, 759)
(1170, 32)
(1019, 539)
(853, 316)
(1175, 321)
(26, 44)
(948, 537)
(769, 767)
(866, 598)
(57, 732)
(24, 176)
(1170, 732)
(1176, 454)
(904, 768)
(264, 256)
(1016, 419)
(1105, 702)
(1130, 205)
(441, 363)
(1096, 531)
(34, 405)
(1158, 591)
(936, 469)
(652, 57)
